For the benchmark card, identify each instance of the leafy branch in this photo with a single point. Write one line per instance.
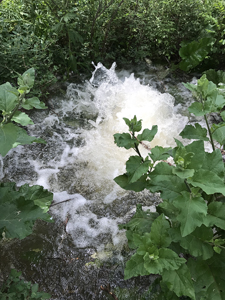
(12, 100)
(183, 240)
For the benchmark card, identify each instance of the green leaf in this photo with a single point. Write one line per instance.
(215, 76)
(11, 136)
(222, 114)
(168, 209)
(197, 132)
(166, 259)
(141, 221)
(195, 52)
(163, 180)
(179, 281)
(197, 159)
(24, 139)
(216, 215)
(124, 182)
(125, 140)
(18, 213)
(159, 153)
(205, 87)
(148, 135)
(135, 267)
(192, 212)
(41, 197)
(208, 181)
(219, 133)
(214, 162)
(160, 232)
(183, 173)
(8, 98)
(22, 118)
(136, 168)
(8, 136)
(197, 109)
(133, 124)
(197, 242)
(143, 243)
(33, 102)
(27, 79)
(208, 277)
(215, 102)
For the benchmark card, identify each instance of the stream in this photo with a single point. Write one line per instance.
(84, 249)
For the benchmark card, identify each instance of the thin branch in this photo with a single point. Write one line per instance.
(54, 204)
(108, 290)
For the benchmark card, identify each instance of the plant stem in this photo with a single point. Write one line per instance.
(210, 133)
(188, 187)
(15, 108)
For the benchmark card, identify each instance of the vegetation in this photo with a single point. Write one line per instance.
(62, 37)
(184, 240)
(15, 288)
(19, 207)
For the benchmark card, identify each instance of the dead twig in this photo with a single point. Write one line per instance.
(107, 289)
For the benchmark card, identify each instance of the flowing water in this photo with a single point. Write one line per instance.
(84, 249)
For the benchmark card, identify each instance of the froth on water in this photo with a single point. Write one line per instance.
(80, 159)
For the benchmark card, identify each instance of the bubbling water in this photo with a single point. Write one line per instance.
(114, 100)
(81, 159)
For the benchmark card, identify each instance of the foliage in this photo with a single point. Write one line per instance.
(59, 37)
(19, 209)
(15, 288)
(184, 240)
(12, 100)
(21, 48)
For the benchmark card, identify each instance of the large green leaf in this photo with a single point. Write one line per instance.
(190, 132)
(41, 197)
(24, 139)
(18, 213)
(208, 181)
(136, 168)
(179, 281)
(215, 76)
(8, 136)
(22, 118)
(219, 133)
(168, 209)
(192, 212)
(195, 52)
(135, 267)
(216, 215)
(11, 136)
(198, 242)
(197, 109)
(124, 182)
(160, 232)
(163, 180)
(33, 102)
(214, 162)
(8, 98)
(209, 277)
(163, 259)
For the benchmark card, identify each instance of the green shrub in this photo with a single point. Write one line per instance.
(184, 240)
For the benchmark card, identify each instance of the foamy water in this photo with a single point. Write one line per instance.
(84, 172)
